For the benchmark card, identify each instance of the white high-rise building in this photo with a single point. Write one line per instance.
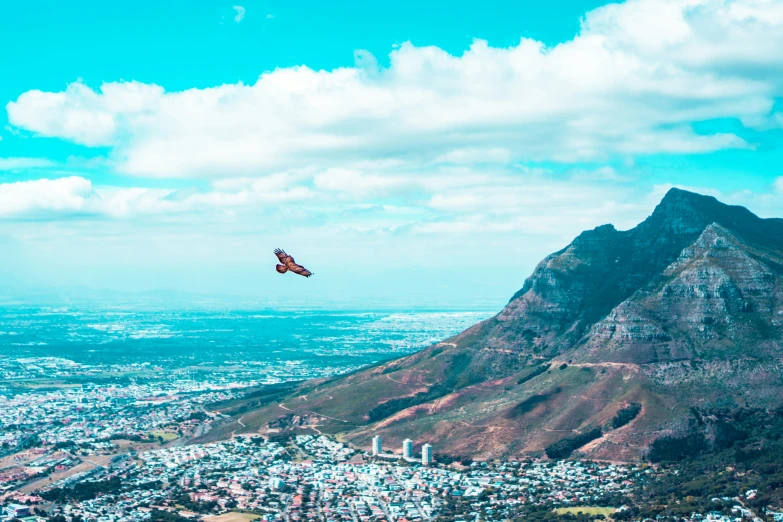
(407, 449)
(426, 454)
(377, 445)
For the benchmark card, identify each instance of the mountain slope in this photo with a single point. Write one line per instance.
(685, 310)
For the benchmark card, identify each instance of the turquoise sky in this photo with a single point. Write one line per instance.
(409, 153)
(182, 45)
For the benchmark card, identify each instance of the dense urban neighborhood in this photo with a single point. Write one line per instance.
(309, 477)
(127, 453)
(317, 478)
(81, 442)
(40, 407)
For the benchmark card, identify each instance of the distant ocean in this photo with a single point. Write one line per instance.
(175, 338)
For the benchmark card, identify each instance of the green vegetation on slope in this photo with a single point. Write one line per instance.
(716, 461)
(390, 407)
(626, 415)
(564, 447)
(457, 365)
(538, 370)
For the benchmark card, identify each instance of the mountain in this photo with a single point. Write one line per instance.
(616, 341)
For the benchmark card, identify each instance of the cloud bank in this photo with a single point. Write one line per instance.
(633, 81)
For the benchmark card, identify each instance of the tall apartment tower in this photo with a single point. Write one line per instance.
(407, 449)
(377, 445)
(426, 454)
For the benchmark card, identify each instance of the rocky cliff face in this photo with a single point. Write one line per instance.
(719, 299)
(684, 310)
(594, 285)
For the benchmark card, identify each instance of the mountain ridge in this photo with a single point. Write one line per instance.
(683, 311)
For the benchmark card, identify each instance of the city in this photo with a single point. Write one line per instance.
(55, 401)
(314, 477)
(131, 452)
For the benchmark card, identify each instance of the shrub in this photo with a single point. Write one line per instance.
(626, 415)
(564, 447)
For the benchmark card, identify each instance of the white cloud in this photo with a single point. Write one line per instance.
(605, 173)
(473, 155)
(453, 201)
(375, 183)
(64, 194)
(84, 116)
(359, 185)
(24, 163)
(77, 196)
(444, 202)
(273, 182)
(511, 198)
(240, 13)
(631, 82)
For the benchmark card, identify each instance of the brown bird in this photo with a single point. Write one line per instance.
(290, 264)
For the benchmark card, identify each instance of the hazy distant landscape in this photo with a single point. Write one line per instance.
(241, 345)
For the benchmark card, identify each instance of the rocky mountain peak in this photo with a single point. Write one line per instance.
(682, 311)
(681, 212)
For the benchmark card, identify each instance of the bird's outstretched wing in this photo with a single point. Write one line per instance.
(283, 257)
(299, 269)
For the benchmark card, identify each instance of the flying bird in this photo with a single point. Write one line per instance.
(288, 263)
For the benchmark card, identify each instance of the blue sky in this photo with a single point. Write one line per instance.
(409, 154)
